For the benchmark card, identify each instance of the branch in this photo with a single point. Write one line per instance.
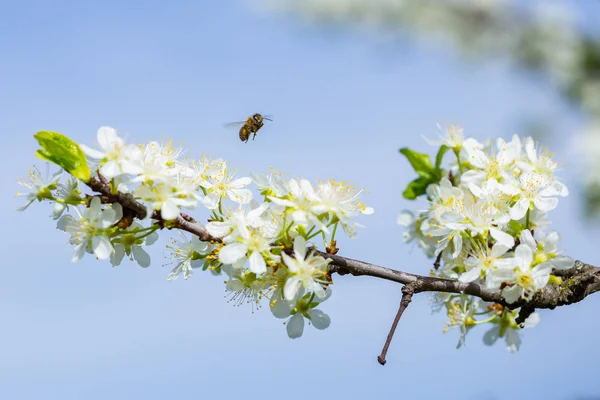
(578, 282)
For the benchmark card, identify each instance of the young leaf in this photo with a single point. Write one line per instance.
(420, 162)
(416, 188)
(64, 152)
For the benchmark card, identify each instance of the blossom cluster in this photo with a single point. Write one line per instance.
(263, 243)
(485, 221)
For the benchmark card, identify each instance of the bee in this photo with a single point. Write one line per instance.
(249, 126)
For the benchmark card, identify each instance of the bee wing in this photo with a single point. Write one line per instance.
(234, 124)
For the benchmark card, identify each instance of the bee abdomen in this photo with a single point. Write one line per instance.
(244, 134)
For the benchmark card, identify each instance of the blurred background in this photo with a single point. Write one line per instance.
(348, 83)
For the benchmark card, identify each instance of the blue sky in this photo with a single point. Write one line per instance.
(342, 106)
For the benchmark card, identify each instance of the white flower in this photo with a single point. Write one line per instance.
(453, 137)
(408, 220)
(130, 242)
(536, 191)
(66, 193)
(304, 309)
(413, 231)
(339, 200)
(245, 239)
(484, 261)
(524, 280)
(546, 250)
(245, 287)
(89, 232)
(489, 164)
(154, 165)
(116, 157)
(445, 198)
(461, 314)
(270, 184)
(185, 253)
(250, 245)
(497, 196)
(166, 198)
(508, 329)
(238, 221)
(39, 188)
(299, 203)
(199, 171)
(223, 185)
(305, 271)
(538, 160)
(280, 307)
(480, 217)
(447, 229)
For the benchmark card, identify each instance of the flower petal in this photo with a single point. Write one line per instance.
(471, 275)
(405, 218)
(257, 263)
(512, 294)
(545, 204)
(102, 247)
(79, 251)
(140, 255)
(218, 229)
(319, 319)
(532, 320)
(241, 196)
(551, 242)
(240, 183)
(91, 153)
(563, 262)
(290, 289)
(295, 326)
(527, 238)
(491, 336)
(519, 210)
(499, 249)
(513, 340)
(299, 248)
(502, 237)
(111, 169)
(281, 308)
(117, 255)
(232, 253)
(524, 256)
(169, 210)
(289, 262)
(107, 137)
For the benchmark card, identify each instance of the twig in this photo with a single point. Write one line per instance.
(437, 262)
(407, 294)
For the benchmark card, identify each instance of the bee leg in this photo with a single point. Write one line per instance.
(254, 136)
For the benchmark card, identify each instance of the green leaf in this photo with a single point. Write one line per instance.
(420, 162)
(417, 188)
(64, 152)
(440, 156)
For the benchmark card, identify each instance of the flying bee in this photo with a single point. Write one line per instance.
(249, 126)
